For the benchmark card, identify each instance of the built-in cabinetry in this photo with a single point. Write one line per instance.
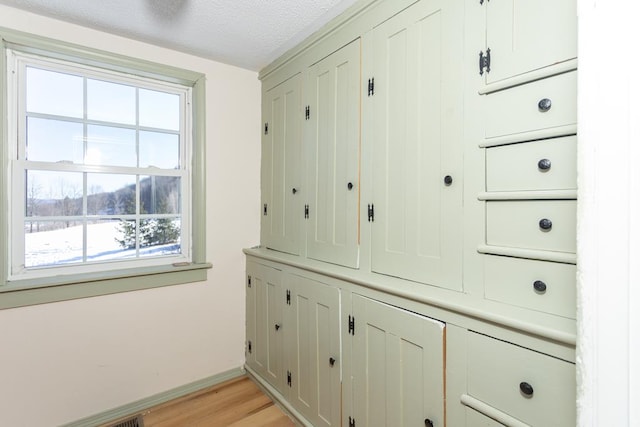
(418, 209)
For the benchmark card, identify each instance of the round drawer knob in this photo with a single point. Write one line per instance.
(448, 180)
(332, 361)
(544, 105)
(277, 327)
(539, 286)
(294, 190)
(350, 186)
(545, 224)
(526, 389)
(544, 164)
(428, 423)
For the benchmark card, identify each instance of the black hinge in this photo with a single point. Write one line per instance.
(289, 378)
(484, 62)
(306, 211)
(352, 325)
(352, 422)
(370, 213)
(371, 87)
(288, 297)
(307, 112)
(266, 128)
(249, 281)
(249, 346)
(264, 209)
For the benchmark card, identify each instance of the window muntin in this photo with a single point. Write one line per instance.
(99, 171)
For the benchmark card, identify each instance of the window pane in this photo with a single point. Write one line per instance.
(160, 194)
(56, 93)
(54, 141)
(52, 243)
(111, 102)
(159, 109)
(111, 194)
(111, 240)
(53, 193)
(161, 150)
(159, 236)
(111, 146)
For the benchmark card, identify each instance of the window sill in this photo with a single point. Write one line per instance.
(23, 293)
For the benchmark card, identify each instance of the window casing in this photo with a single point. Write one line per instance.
(78, 172)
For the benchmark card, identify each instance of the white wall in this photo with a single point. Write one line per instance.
(608, 356)
(64, 361)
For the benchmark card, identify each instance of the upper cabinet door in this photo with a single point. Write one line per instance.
(417, 144)
(526, 35)
(332, 135)
(281, 157)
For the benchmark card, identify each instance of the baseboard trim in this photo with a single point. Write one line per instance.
(157, 399)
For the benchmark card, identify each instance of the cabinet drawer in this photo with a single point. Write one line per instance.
(521, 109)
(549, 287)
(541, 225)
(541, 165)
(476, 419)
(532, 387)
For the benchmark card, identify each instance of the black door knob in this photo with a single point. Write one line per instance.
(428, 423)
(332, 361)
(526, 389)
(544, 164)
(544, 105)
(545, 224)
(294, 190)
(540, 286)
(349, 186)
(277, 327)
(448, 180)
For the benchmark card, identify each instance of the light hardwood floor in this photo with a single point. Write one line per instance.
(235, 403)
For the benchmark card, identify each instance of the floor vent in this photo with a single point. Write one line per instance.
(131, 422)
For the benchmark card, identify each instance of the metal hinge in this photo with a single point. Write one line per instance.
(306, 211)
(288, 297)
(289, 378)
(264, 209)
(266, 128)
(307, 113)
(371, 87)
(370, 213)
(352, 422)
(352, 325)
(249, 281)
(249, 346)
(484, 62)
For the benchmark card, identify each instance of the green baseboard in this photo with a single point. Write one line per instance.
(141, 405)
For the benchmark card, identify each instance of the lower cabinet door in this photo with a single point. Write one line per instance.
(312, 347)
(398, 366)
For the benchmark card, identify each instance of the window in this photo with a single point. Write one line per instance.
(103, 157)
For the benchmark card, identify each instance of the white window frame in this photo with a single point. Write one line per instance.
(19, 287)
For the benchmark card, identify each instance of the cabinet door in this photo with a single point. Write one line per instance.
(417, 228)
(313, 350)
(398, 366)
(333, 138)
(267, 346)
(526, 35)
(281, 156)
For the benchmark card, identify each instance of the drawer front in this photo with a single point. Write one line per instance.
(548, 287)
(522, 109)
(533, 224)
(537, 389)
(541, 165)
(476, 419)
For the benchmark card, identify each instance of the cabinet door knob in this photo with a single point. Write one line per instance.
(332, 361)
(294, 190)
(545, 224)
(428, 423)
(540, 286)
(448, 180)
(544, 164)
(277, 327)
(544, 105)
(526, 389)
(349, 186)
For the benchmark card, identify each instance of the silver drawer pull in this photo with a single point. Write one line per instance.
(544, 164)
(544, 105)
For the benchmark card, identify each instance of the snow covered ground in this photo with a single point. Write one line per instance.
(64, 246)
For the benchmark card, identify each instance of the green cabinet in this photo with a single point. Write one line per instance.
(332, 141)
(398, 366)
(281, 157)
(417, 144)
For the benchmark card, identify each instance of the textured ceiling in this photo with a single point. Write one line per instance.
(245, 33)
